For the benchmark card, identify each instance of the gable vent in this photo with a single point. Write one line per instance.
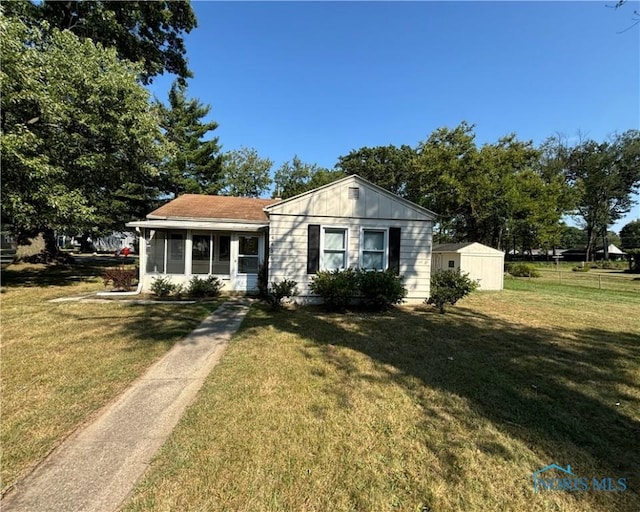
(354, 193)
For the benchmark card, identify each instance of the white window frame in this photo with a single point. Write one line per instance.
(346, 245)
(385, 243)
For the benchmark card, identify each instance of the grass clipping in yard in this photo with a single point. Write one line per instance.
(61, 362)
(413, 410)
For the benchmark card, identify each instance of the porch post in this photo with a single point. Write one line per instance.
(188, 245)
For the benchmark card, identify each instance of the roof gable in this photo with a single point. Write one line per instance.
(200, 206)
(466, 248)
(351, 196)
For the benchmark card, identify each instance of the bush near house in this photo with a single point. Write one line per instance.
(377, 290)
(209, 287)
(381, 290)
(280, 290)
(336, 287)
(448, 287)
(163, 287)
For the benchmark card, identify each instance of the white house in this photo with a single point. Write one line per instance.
(481, 262)
(348, 223)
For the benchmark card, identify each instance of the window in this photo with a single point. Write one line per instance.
(175, 259)
(155, 241)
(373, 249)
(222, 262)
(248, 255)
(201, 251)
(334, 248)
(452, 264)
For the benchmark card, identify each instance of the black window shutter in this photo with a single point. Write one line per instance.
(394, 250)
(313, 248)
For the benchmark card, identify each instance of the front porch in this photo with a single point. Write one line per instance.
(233, 255)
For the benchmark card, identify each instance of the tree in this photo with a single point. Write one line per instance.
(296, 177)
(147, 32)
(572, 236)
(245, 174)
(77, 134)
(630, 235)
(194, 165)
(389, 167)
(604, 175)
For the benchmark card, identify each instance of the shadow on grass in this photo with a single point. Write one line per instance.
(82, 270)
(557, 391)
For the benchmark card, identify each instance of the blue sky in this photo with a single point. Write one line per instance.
(319, 79)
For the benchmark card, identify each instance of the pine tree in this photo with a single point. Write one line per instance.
(193, 165)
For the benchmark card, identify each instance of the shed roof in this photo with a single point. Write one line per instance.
(466, 248)
(199, 206)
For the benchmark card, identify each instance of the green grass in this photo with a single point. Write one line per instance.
(605, 279)
(311, 411)
(62, 362)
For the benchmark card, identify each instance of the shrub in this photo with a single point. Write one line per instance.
(121, 277)
(633, 255)
(163, 287)
(336, 287)
(209, 287)
(448, 287)
(381, 290)
(582, 268)
(523, 270)
(279, 290)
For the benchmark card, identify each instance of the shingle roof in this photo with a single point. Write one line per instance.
(451, 247)
(198, 206)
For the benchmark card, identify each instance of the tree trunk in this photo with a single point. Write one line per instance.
(605, 245)
(590, 240)
(50, 244)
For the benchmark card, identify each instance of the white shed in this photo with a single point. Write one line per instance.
(481, 262)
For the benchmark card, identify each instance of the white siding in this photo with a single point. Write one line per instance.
(481, 262)
(487, 268)
(288, 248)
(333, 202)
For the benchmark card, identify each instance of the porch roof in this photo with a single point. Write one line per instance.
(205, 225)
(208, 207)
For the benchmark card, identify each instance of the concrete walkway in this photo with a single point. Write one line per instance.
(97, 467)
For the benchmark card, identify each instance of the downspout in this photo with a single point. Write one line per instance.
(138, 289)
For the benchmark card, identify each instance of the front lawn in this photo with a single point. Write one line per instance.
(61, 362)
(413, 410)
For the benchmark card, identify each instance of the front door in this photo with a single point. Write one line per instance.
(246, 250)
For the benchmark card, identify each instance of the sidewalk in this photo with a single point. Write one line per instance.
(97, 467)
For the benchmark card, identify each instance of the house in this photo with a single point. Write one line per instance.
(614, 253)
(481, 262)
(580, 253)
(348, 223)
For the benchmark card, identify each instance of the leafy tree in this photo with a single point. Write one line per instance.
(147, 32)
(572, 236)
(389, 167)
(296, 177)
(630, 235)
(604, 175)
(245, 173)
(194, 164)
(77, 134)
